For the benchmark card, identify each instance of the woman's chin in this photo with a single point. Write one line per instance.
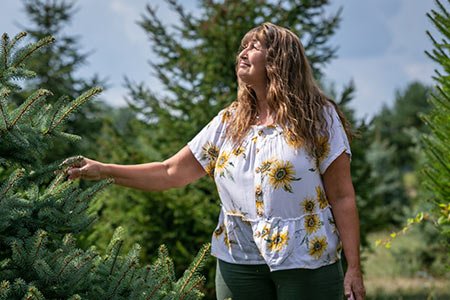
(244, 77)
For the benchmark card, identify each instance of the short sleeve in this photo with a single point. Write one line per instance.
(336, 143)
(205, 146)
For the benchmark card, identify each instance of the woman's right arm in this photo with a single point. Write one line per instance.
(177, 171)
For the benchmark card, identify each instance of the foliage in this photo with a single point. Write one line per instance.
(56, 70)
(436, 171)
(393, 124)
(391, 156)
(406, 271)
(41, 212)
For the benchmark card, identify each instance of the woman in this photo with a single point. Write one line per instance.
(280, 158)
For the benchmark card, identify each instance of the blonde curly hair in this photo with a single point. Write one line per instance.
(292, 93)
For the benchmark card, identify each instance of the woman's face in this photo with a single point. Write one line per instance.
(251, 67)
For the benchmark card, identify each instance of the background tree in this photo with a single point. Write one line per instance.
(40, 213)
(56, 70)
(392, 155)
(394, 123)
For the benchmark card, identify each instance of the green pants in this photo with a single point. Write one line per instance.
(256, 282)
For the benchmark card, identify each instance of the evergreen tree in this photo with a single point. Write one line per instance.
(388, 195)
(394, 124)
(40, 212)
(56, 69)
(392, 155)
(436, 170)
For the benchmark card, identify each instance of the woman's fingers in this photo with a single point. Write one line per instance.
(74, 173)
(347, 290)
(353, 285)
(89, 171)
(360, 293)
(72, 166)
(74, 161)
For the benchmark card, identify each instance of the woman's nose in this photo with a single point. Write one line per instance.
(243, 53)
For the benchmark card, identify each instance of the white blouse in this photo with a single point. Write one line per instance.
(274, 209)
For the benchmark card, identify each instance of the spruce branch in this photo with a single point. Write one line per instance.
(193, 283)
(5, 289)
(34, 294)
(148, 268)
(131, 266)
(114, 247)
(119, 245)
(62, 101)
(67, 261)
(157, 287)
(444, 99)
(193, 269)
(4, 93)
(16, 39)
(66, 111)
(162, 266)
(86, 260)
(17, 61)
(19, 254)
(163, 256)
(5, 52)
(82, 200)
(12, 182)
(41, 238)
(33, 100)
(58, 183)
(43, 270)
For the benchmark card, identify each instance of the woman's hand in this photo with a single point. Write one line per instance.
(353, 284)
(84, 168)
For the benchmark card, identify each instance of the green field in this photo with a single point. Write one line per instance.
(398, 273)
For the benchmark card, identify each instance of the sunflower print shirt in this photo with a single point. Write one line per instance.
(274, 209)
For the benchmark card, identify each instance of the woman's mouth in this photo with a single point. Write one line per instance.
(243, 64)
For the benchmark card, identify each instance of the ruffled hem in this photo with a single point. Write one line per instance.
(280, 243)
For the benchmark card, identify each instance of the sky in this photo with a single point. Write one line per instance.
(381, 45)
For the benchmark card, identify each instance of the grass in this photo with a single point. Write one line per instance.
(398, 273)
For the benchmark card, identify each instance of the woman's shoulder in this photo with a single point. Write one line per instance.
(226, 113)
(329, 107)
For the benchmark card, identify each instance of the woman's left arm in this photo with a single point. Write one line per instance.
(341, 196)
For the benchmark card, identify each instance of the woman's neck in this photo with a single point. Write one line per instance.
(263, 113)
(264, 116)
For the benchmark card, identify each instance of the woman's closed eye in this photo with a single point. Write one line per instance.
(253, 45)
